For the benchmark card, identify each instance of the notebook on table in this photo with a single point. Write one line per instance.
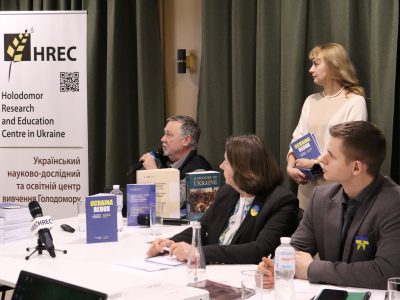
(34, 287)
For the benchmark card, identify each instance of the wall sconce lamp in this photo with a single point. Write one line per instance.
(185, 62)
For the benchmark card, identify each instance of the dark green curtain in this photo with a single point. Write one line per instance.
(125, 82)
(254, 70)
(395, 170)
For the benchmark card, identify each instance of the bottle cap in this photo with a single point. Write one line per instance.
(195, 224)
(285, 240)
(116, 186)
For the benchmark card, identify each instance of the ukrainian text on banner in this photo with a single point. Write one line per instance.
(43, 98)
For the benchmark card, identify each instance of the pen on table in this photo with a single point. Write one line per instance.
(269, 256)
(266, 265)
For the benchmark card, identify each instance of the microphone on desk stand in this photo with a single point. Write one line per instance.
(155, 153)
(41, 226)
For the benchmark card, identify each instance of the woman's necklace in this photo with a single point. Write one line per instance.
(333, 96)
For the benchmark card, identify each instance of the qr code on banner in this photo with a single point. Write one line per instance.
(69, 81)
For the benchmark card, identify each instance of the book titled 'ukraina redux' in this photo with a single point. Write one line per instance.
(307, 147)
(101, 218)
(201, 188)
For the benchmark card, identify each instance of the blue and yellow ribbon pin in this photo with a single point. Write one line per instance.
(254, 210)
(361, 241)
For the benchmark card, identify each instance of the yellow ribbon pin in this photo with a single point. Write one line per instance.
(361, 244)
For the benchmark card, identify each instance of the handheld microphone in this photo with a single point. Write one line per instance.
(155, 153)
(41, 225)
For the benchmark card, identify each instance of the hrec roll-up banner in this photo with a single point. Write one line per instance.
(43, 98)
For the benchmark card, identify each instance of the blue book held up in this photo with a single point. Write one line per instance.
(306, 147)
(138, 200)
(101, 218)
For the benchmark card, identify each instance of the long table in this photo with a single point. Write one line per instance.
(95, 266)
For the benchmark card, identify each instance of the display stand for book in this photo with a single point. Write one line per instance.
(39, 249)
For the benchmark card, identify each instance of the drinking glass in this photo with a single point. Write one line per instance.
(251, 283)
(394, 288)
(156, 218)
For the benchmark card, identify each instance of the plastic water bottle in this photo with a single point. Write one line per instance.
(285, 263)
(120, 202)
(82, 215)
(196, 264)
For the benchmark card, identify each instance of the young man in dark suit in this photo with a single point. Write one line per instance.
(353, 224)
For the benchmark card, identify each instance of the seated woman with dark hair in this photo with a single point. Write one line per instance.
(250, 212)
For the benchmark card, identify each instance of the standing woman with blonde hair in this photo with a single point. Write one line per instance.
(341, 99)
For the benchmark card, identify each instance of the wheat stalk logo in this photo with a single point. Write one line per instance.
(16, 48)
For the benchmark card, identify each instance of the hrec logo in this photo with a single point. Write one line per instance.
(17, 48)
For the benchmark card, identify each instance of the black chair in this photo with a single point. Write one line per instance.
(3, 290)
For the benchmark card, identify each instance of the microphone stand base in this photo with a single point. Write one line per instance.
(39, 249)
